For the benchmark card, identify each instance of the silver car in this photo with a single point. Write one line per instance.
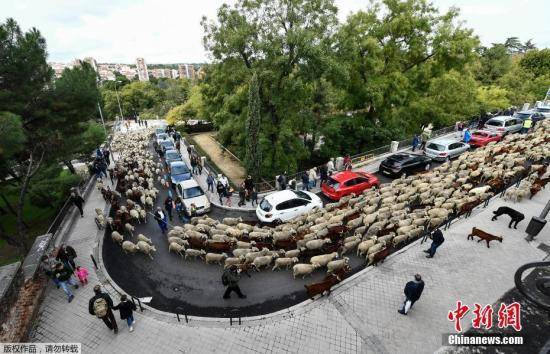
(504, 124)
(445, 149)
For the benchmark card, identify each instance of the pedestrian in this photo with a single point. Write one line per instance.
(220, 189)
(192, 210)
(424, 139)
(99, 154)
(292, 184)
(168, 206)
(210, 182)
(413, 290)
(224, 181)
(249, 186)
(126, 309)
(180, 210)
(242, 195)
(77, 200)
(347, 162)
(467, 135)
(323, 174)
(101, 305)
(416, 142)
(82, 274)
(199, 164)
(228, 194)
(161, 220)
(66, 254)
(281, 179)
(230, 279)
(193, 164)
(145, 121)
(189, 151)
(111, 172)
(330, 166)
(305, 181)
(107, 156)
(527, 123)
(437, 240)
(313, 178)
(48, 265)
(64, 276)
(178, 145)
(254, 196)
(177, 136)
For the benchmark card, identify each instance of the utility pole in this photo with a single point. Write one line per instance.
(118, 100)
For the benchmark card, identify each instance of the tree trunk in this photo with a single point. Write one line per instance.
(70, 166)
(11, 208)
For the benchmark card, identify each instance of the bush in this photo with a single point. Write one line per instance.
(51, 186)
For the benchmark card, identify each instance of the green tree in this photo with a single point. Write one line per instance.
(287, 43)
(513, 45)
(536, 62)
(494, 63)
(253, 123)
(529, 45)
(492, 98)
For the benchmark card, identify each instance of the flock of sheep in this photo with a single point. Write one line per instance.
(369, 224)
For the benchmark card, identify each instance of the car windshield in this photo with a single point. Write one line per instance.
(522, 115)
(333, 183)
(480, 134)
(167, 144)
(179, 170)
(543, 109)
(495, 123)
(162, 136)
(172, 155)
(192, 192)
(302, 195)
(265, 206)
(437, 147)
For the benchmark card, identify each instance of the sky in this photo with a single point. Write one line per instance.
(169, 31)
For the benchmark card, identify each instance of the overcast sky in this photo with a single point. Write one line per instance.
(169, 31)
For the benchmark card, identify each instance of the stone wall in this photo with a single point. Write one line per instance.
(11, 281)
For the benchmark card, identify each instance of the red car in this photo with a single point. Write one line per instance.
(346, 182)
(483, 137)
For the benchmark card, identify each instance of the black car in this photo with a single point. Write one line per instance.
(404, 164)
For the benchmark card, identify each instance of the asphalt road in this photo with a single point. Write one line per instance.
(194, 288)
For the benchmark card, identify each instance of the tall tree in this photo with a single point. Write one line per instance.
(537, 62)
(513, 45)
(494, 62)
(253, 123)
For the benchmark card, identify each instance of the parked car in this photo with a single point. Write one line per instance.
(544, 110)
(162, 137)
(504, 124)
(344, 183)
(284, 205)
(191, 193)
(167, 145)
(535, 116)
(171, 156)
(179, 172)
(445, 149)
(483, 137)
(160, 130)
(403, 164)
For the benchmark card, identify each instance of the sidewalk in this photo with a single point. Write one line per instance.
(359, 317)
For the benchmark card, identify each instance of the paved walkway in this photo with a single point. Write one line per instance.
(359, 317)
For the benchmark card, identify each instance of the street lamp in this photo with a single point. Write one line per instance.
(118, 100)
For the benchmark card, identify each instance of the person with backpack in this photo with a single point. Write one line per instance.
(101, 306)
(126, 309)
(230, 278)
(67, 254)
(64, 276)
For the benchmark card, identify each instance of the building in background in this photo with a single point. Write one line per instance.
(91, 61)
(186, 71)
(174, 74)
(143, 74)
(161, 73)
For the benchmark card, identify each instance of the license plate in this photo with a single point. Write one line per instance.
(385, 172)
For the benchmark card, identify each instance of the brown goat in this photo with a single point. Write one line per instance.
(327, 283)
(483, 236)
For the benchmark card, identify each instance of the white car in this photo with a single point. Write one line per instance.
(284, 205)
(162, 137)
(191, 193)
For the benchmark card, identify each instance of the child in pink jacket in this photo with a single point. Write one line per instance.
(82, 274)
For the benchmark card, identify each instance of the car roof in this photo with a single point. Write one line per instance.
(177, 163)
(281, 196)
(402, 156)
(502, 118)
(445, 141)
(344, 176)
(530, 111)
(190, 183)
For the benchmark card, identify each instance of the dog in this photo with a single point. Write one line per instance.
(483, 236)
(515, 215)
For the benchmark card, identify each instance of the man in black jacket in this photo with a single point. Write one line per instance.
(437, 240)
(413, 290)
(77, 200)
(63, 274)
(101, 306)
(230, 278)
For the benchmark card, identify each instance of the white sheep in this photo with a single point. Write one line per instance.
(233, 261)
(243, 251)
(129, 246)
(303, 269)
(333, 266)
(179, 249)
(292, 253)
(191, 252)
(285, 262)
(232, 221)
(146, 248)
(262, 261)
(117, 237)
(323, 259)
(215, 258)
(316, 244)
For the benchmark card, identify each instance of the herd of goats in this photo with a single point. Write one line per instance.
(371, 225)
